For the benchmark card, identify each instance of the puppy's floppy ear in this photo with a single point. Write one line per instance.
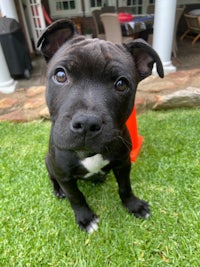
(144, 57)
(54, 36)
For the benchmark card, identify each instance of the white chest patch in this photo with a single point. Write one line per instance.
(94, 164)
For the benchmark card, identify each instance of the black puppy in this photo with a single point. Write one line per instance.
(91, 86)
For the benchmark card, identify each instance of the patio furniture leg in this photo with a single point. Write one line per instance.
(184, 34)
(195, 39)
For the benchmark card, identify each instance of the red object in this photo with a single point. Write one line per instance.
(136, 139)
(125, 17)
(46, 16)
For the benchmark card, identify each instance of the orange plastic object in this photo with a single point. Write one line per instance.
(136, 139)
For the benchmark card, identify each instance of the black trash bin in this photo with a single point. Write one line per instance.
(14, 47)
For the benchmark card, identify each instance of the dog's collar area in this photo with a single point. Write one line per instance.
(94, 164)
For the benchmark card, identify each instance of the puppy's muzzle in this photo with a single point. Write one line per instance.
(86, 124)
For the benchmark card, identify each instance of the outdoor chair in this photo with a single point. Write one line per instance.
(108, 9)
(98, 24)
(113, 29)
(193, 27)
(151, 9)
(179, 12)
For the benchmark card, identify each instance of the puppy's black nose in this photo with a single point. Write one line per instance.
(86, 124)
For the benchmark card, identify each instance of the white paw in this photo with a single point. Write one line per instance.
(147, 215)
(93, 226)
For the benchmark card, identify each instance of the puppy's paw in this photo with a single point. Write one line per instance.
(87, 221)
(89, 226)
(59, 193)
(93, 226)
(139, 208)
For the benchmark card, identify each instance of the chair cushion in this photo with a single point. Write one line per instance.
(195, 12)
(125, 17)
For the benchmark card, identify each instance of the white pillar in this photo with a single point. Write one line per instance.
(8, 9)
(7, 84)
(164, 20)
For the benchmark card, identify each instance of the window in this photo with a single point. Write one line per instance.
(136, 4)
(65, 5)
(96, 3)
(65, 8)
(72, 8)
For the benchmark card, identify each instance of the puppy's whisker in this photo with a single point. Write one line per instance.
(124, 141)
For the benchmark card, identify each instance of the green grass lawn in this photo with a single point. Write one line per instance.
(36, 229)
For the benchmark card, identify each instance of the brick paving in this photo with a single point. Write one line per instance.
(27, 103)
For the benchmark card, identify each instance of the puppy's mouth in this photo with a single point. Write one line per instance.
(80, 144)
(68, 140)
(85, 135)
(85, 146)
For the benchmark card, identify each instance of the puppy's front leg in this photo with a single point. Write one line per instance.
(136, 206)
(85, 217)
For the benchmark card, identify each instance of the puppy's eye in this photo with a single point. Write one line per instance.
(60, 75)
(122, 84)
